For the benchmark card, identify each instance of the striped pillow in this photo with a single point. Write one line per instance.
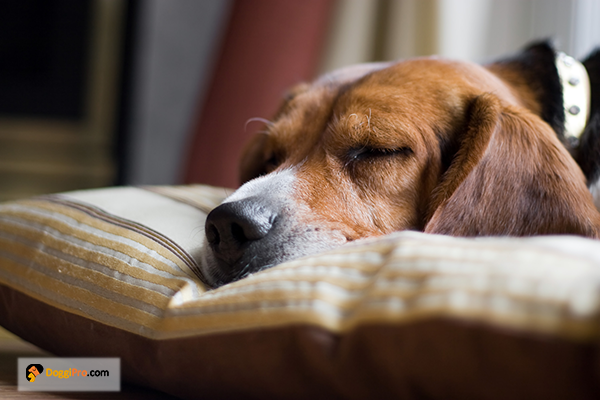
(114, 272)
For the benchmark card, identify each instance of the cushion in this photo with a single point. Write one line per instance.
(114, 273)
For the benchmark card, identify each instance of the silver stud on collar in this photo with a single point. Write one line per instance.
(567, 60)
(576, 95)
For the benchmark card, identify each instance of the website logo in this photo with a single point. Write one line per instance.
(32, 371)
(69, 374)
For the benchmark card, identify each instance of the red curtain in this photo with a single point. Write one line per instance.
(269, 46)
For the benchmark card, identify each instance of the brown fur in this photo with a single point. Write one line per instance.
(458, 149)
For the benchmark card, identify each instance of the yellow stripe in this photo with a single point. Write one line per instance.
(80, 295)
(583, 330)
(91, 276)
(70, 230)
(202, 197)
(265, 317)
(94, 222)
(91, 255)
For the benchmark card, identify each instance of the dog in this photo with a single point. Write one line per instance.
(427, 144)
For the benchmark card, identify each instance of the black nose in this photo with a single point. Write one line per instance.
(231, 227)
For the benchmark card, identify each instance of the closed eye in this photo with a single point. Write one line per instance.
(372, 153)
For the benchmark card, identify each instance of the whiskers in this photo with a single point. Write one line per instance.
(197, 231)
(245, 271)
(257, 119)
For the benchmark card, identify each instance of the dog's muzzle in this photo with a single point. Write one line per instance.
(259, 226)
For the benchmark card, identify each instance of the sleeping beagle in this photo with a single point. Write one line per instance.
(426, 144)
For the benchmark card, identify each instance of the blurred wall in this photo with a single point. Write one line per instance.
(173, 62)
(270, 45)
(476, 30)
(176, 57)
(180, 44)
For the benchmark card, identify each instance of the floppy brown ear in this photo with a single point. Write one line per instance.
(511, 176)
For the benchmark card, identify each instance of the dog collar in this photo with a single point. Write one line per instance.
(576, 94)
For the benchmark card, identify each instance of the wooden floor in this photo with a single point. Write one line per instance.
(11, 348)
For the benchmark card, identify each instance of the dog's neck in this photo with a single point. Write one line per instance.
(576, 95)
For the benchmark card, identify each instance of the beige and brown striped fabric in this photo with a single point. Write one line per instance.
(115, 272)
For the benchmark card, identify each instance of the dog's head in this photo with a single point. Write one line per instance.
(426, 144)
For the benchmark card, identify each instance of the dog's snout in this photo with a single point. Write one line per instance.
(232, 226)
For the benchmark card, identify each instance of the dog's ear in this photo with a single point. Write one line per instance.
(511, 176)
(253, 163)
